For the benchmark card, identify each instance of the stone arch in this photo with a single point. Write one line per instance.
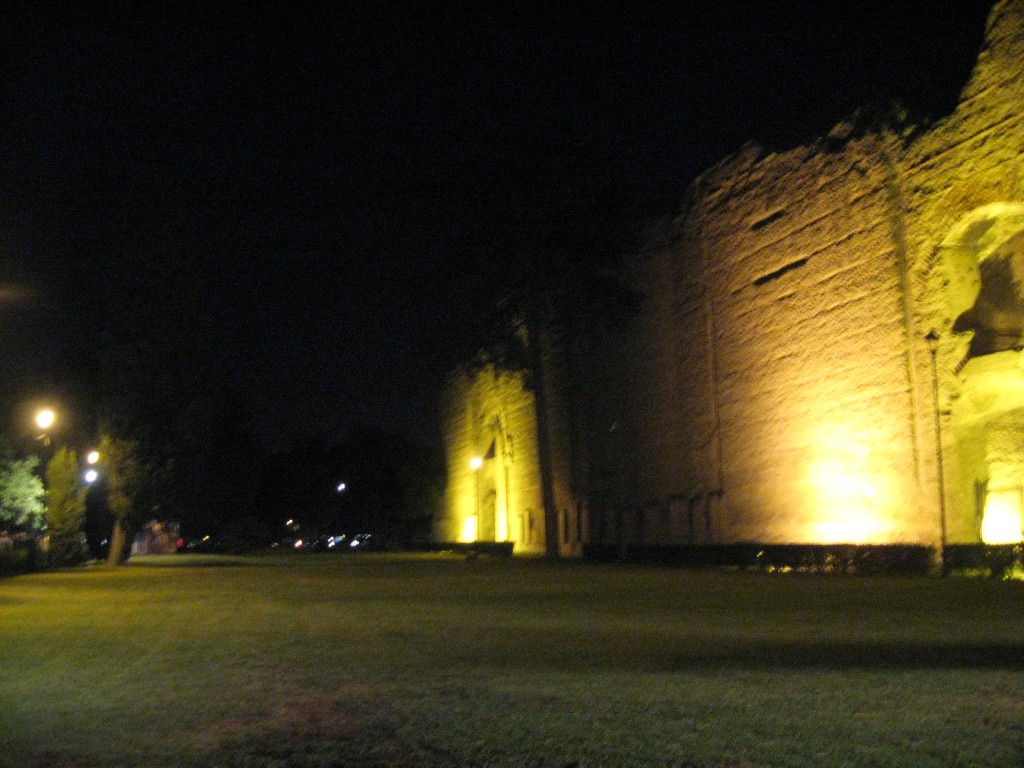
(499, 517)
(983, 262)
(983, 257)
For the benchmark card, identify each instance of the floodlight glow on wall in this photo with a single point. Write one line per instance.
(849, 491)
(1002, 521)
(469, 527)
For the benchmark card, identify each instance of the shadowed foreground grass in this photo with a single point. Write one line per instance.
(377, 661)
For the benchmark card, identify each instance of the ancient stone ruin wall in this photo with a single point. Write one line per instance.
(783, 384)
(489, 415)
(792, 391)
(661, 433)
(778, 385)
(962, 187)
(491, 445)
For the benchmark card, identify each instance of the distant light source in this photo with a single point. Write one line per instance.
(91, 475)
(45, 418)
(341, 487)
(475, 463)
(92, 457)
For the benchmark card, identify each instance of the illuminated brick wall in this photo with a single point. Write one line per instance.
(802, 398)
(490, 416)
(963, 191)
(778, 384)
(494, 489)
(783, 385)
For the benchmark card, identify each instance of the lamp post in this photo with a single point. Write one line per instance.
(45, 418)
(91, 473)
(933, 347)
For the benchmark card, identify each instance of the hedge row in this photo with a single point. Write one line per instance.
(875, 559)
(995, 559)
(13, 561)
(470, 549)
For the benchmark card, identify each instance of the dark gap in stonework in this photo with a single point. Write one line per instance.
(781, 271)
(771, 217)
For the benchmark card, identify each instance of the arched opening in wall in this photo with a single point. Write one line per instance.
(996, 318)
(983, 260)
(491, 524)
(498, 514)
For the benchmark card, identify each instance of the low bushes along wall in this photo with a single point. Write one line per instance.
(880, 559)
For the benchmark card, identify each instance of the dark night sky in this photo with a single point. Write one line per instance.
(302, 204)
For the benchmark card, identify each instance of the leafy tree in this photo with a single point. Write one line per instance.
(21, 494)
(124, 479)
(65, 509)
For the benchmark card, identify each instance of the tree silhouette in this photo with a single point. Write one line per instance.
(124, 478)
(65, 509)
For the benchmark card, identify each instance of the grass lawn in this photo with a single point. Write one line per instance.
(378, 660)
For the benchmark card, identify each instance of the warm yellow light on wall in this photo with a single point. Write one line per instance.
(848, 494)
(1001, 523)
(468, 532)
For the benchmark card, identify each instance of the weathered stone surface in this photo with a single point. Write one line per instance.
(778, 386)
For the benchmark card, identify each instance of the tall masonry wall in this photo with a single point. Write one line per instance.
(962, 189)
(812, 385)
(489, 416)
(830, 347)
(783, 354)
(492, 452)
(788, 418)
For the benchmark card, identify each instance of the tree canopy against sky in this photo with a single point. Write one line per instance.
(65, 509)
(21, 494)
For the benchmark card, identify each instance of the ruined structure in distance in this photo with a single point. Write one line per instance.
(830, 351)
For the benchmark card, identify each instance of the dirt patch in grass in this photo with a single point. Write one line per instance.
(57, 761)
(349, 727)
(294, 720)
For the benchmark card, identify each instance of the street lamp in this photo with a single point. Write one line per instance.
(933, 347)
(45, 418)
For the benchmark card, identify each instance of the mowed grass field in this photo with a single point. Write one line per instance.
(389, 660)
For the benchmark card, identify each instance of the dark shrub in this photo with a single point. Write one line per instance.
(875, 559)
(14, 561)
(997, 559)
